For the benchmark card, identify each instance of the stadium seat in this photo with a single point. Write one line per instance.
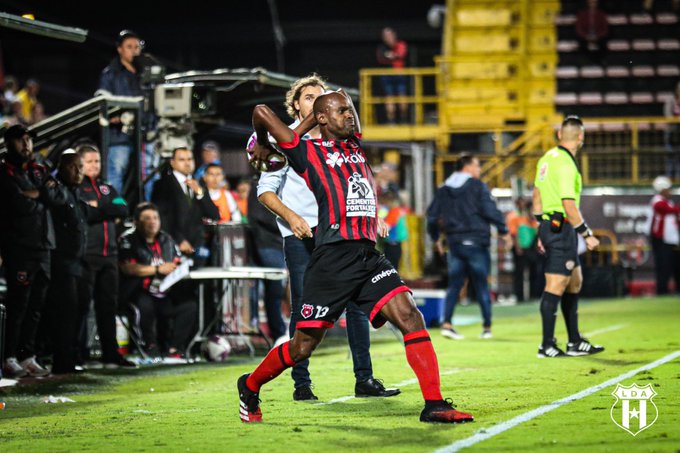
(565, 19)
(668, 71)
(567, 46)
(617, 71)
(643, 45)
(643, 71)
(616, 98)
(617, 19)
(669, 44)
(641, 19)
(618, 45)
(642, 98)
(666, 18)
(567, 72)
(663, 96)
(592, 72)
(566, 99)
(590, 98)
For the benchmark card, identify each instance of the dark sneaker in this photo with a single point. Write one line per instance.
(583, 347)
(444, 412)
(120, 362)
(550, 351)
(304, 393)
(249, 409)
(373, 388)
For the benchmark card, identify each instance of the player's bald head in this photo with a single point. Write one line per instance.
(572, 129)
(323, 102)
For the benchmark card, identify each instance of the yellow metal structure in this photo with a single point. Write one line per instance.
(497, 68)
(617, 151)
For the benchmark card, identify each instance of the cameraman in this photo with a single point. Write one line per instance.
(122, 77)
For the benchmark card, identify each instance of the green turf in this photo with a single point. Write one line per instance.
(194, 408)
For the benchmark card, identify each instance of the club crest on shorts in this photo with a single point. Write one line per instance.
(307, 310)
(634, 411)
(570, 265)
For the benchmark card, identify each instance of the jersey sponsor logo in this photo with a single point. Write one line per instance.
(333, 159)
(543, 172)
(104, 189)
(360, 198)
(382, 275)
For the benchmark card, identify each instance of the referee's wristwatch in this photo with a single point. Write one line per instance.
(584, 230)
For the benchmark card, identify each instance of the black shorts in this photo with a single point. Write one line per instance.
(561, 249)
(342, 272)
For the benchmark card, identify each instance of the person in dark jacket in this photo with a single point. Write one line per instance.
(70, 227)
(121, 78)
(183, 204)
(463, 210)
(100, 264)
(27, 191)
(146, 254)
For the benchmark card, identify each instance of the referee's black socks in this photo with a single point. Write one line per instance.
(549, 302)
(570, 313)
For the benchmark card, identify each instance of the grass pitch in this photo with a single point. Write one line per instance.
(195, 408)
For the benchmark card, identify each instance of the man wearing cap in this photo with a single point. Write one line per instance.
(665, 236)
(556, 200)
(27, 192)
(121, 78)
(210, 155)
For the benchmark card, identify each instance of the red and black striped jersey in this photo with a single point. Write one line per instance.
(337, 173)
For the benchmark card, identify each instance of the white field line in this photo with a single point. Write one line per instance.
(397, 385)
(605, 330)
(509, 424)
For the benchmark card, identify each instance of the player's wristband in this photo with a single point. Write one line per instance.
(538, 217)
(583, 230)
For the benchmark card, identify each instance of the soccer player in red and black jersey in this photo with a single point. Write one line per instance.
(345, 264)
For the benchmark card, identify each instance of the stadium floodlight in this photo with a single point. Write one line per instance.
(43, 28)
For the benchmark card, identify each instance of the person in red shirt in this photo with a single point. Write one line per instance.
(392, 52)
(665, 236)
(592, 29)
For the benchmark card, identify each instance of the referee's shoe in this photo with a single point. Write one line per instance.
(550, 350)
(249, 404)
(583, 347)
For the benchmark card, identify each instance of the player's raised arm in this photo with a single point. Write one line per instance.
(306, 125)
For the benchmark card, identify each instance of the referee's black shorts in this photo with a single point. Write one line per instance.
(561, 249)
(347, 271)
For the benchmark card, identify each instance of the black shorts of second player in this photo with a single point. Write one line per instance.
(561, 249)
(342, 272)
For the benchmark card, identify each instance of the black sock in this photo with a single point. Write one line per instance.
(549, 303)
(570, 313)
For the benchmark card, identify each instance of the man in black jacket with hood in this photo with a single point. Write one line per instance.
(27, 191)
(464, 210)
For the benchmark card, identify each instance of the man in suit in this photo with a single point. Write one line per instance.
(183, 204)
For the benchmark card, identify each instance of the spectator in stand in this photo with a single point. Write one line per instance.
(392, 53)
(183, 205)
(243, 192)
(671, 109)
(28, 99)
(210, 154)
(394, 216)
(592, 29)
(463, 205)
(665, 236)
(523, 230)
(11, 104)
(27, 191)
(164, 321)
(100, 265)
(387, 178)
(219, 192)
